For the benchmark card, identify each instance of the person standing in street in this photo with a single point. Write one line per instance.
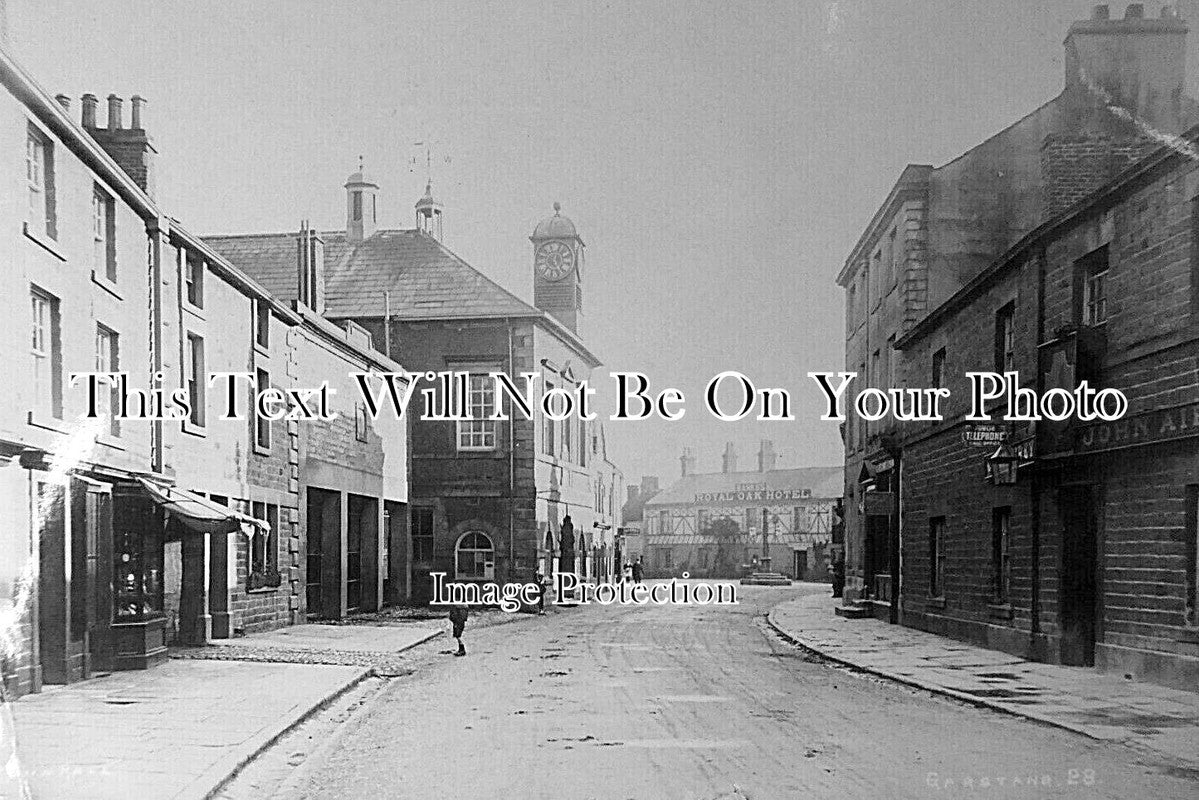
(638, 571)
(458, 615)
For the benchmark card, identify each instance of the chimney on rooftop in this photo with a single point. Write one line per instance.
(686, 462)
(632, 494)
(766, 456)
(130, 147)
(1136, 63)
(64, 101)
(730, 458)
(310, 268)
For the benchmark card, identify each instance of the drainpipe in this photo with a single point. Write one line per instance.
(512, 458)
(1034, 487)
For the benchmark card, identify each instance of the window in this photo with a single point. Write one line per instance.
(1192, 554)
(938, 378)
(861, 436)
(1005, 338)
(262, 323)
(584, 443)
(478, 433)
(567, 440)
(474, 557)
(549, 429)
(663, 557)
(851, 303)
(1001, 565)
(799, 516)
(891, 359)
(1094, 291)
(39, 177)
(193, 278)
(896, 256)
(104, 260)
(264, 548)
(46, 349)
(891, 257)
(422, 535)
(361, 422)
(108, 360)
(194, 378)
(262, 425)
(936, 557)
(664, 522)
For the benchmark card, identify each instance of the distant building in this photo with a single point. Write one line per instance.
(632, 516)
(489, 497)
(710, 524)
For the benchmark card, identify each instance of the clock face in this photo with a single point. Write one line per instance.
(555, 260)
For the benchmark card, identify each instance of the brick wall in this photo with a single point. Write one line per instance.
(1074, 165)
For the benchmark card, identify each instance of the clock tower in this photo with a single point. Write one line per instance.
(558, 269)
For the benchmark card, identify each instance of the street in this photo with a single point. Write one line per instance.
(677, 702)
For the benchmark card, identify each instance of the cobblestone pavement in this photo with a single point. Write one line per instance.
(1159, 722)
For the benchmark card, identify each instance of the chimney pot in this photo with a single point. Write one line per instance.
(114, 112)
(89, 103)
(1101, 12)
(135, 119)
(1135, 11)
(64, 101)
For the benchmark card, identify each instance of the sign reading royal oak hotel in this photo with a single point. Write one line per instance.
(752, 493)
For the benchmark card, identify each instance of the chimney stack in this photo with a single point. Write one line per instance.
(766, 456)
(1136, 63)
(114, 112)
(89, 104)
(135, 120)
(64, 101)
(130, 147)
(730, 458)
(632, 494)
(310, 267)
(686, 461)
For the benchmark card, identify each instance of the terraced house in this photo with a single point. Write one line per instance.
(120, 536)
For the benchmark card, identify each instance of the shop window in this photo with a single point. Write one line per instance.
(936, 557)
(1001, 565)
(138, 543)
(422, 535)
(264, 548)
(663, 558)
(474, 557)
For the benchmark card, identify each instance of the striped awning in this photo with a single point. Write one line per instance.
(199, 514)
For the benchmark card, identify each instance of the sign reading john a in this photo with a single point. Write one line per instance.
(1159, 425)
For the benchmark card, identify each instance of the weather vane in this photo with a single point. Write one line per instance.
(414, 161)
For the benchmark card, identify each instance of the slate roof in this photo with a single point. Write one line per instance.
(824, 482)
(426, 280)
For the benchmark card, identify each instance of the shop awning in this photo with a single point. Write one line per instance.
(199, 514)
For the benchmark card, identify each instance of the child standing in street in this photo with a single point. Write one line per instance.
(458, 615)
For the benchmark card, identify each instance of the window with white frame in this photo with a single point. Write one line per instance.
(474, 557)
(108, 361)
(46, 349)
(1095, 293)
(104, 260)
(194, 378)
(478, 432)
(39, 178)
(193, 278)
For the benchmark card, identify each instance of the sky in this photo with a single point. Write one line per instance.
(719, 159)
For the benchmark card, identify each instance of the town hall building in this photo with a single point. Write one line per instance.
(489, 499)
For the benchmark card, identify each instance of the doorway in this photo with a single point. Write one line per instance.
(800, 564)
(1078, 602)
(323, 554)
